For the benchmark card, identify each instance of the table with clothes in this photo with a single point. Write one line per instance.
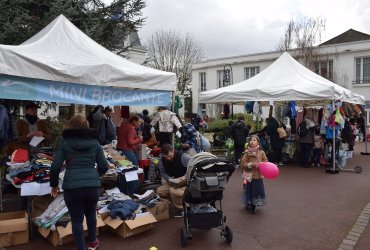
(31, 176)
(112, 202)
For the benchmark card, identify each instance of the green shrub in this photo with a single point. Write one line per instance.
(56, 128)
(221, 125)
(217, 126)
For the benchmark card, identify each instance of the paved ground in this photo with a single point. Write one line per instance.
(307, 209)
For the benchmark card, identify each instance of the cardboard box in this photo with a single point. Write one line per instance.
(40, 204)
(128, 228)
(13, 228)
(63, 235)
(161, 210)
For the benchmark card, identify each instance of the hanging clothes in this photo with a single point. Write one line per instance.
(293, 111)
(117, 116)
(257, 110)
(249, 107)
(177, 105)
(125, 112)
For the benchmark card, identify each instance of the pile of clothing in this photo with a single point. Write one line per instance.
(56, 214)
(120, 205)
(149, 198)
(125, 209)
(21, 170)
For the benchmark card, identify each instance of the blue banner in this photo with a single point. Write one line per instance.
(20, 88)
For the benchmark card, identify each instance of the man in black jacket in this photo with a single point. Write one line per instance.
(173, 166)
(239, 133)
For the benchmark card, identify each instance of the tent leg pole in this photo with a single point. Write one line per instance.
(172, 108)
(334, 135)
(365, 135)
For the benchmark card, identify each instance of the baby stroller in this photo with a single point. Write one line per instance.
(206, 180)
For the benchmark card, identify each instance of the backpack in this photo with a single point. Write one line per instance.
(302, 129)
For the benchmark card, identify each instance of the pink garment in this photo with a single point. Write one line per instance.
(299, 118)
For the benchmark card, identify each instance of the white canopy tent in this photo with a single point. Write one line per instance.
(284, 80)
(64, 54)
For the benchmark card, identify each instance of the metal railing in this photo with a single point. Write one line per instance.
(361, 81)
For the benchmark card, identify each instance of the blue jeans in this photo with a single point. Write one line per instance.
(80, 202)
(128, 187)
(131, 156)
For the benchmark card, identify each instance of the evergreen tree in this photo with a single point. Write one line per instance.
(109, 25)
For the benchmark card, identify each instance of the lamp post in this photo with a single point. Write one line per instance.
(228, 80)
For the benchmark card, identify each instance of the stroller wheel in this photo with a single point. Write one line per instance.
(358, 169)
(184, 237)
(228, 235)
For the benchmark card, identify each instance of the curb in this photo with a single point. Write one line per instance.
(358, 228)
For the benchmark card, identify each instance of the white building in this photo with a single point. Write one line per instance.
(344, 59)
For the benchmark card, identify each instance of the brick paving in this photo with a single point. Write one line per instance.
(307, 209)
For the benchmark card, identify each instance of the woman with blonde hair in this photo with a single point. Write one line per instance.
(84, 161)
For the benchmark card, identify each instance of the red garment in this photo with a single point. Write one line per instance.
(20, 155)
(127, 138)
(125, 112)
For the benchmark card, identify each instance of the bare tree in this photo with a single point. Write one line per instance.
(301, 37)
(170, 51)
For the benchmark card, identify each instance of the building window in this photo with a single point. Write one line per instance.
(220, 77)
(324, 69)
(223, 78)
(203, 107)
(65, 112)
(362, 70)
(251, 71)
(203, 85)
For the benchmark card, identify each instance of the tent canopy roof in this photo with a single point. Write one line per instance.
(62, 52)
(284, 80)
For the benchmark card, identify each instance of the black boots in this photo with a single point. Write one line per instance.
(252, 208)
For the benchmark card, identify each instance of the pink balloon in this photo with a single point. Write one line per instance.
(269, 170)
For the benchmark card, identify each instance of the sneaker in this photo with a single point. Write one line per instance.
(280, 164)
(93, 245)
(179, 214)
(318, 165)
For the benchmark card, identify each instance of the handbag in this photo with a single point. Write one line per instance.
(281, 132)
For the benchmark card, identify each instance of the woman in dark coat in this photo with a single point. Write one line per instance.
(277, 144)
(81, 151)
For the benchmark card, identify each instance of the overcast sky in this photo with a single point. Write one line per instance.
(236, 27)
